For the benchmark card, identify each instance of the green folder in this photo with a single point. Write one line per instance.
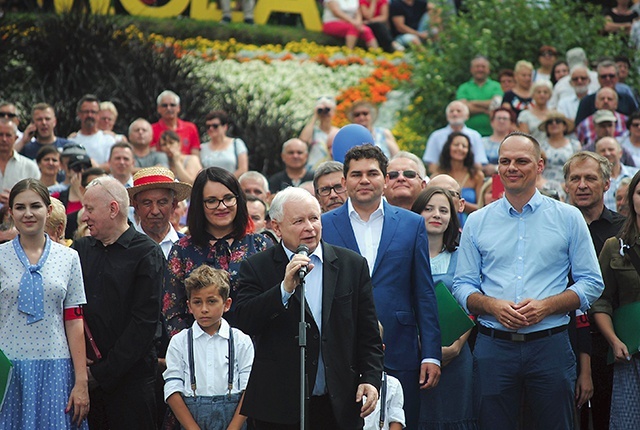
(6, 368)
(454, 321)
(626, 324)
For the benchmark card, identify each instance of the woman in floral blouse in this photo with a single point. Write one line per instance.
(221, 235)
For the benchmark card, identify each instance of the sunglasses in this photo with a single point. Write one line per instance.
(607, 76)
(166, 105)
(359, 114)
(7, 115)
(214, 126)
(579, 78)
(409, 174)
(548, 54)
(556, 121)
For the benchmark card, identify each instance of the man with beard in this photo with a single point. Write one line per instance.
(39, 132)
(457, 114)
(580, 81)
(95, 141)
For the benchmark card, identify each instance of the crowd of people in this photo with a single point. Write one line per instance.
(151, 280)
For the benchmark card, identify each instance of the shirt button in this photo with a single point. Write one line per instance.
(519, 258)
(519, 277)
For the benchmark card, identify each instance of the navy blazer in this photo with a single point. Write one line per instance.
(402, 284)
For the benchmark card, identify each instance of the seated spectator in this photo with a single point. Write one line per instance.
(530, 118)
(556, 144)
(140, 135)
(506, 79)
(168, 104)
(624, 65)
(610, 149)
(579, 81)
(620, 18)
(185, 167)
(606, 125)
(96, 142)
(502, 123)
(247, 10)
(365, 113)
(606, 100)
(375, 15)
(294, 156)
(456, 160)
(457, 114)
(547, 56)
(409, 21)
(608, 78)
(519, 98)
(48, 160)
(342, 18)
(631, 142)
(107, 120)
(477, 94)
(230, 153)
(559, 70)
(40, 132)
(562, 88)
(316, 132)
(255, 184)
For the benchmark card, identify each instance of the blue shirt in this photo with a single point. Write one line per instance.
(514, 256)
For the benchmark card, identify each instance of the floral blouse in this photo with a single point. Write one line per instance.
(185, 257)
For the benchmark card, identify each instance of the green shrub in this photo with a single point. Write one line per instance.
(505, 31)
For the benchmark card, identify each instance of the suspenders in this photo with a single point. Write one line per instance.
(192, 367)
(383, 400)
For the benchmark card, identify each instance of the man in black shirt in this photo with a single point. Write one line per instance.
(123, 273)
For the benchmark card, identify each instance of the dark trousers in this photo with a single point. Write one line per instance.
(602, 376)
(410, 380)
(544, 368)
(320, 417)
(383, 35)
(130, 406)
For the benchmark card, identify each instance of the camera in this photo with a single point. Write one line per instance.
(323, 110)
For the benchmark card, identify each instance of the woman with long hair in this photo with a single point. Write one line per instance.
(220, 150)
(620, 265)
(436, 206)
(220, 235)
(41, 294)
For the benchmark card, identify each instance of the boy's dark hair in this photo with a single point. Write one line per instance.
(206, 276)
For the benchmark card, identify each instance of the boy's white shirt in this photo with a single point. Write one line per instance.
(211, 357)
(394, 404)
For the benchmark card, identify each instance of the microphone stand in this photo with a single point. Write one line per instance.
(302, 342)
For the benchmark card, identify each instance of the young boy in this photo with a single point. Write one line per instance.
(211, 396)
(391, 401)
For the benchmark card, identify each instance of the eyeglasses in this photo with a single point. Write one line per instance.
(502, 118)
(409, 174)
(548, 54)
(166, 105)
(579, 78)
(555, 121)
(214, 126)
(454, 193)
(359, 114)
(7, 115)
(89, 112)
(228, 201)
(607, 76)
(326, 191)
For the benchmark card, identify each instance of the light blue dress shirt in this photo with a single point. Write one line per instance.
(514, 256)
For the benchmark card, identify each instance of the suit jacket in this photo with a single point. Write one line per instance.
(351, 344)
(402, 284)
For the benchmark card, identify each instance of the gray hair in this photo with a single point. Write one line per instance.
(326, 168)
(166, 93)
(14, 127)
(607, 63)
(115, 190)
(291, 141)
(109, 106)
(290, 195)
(256, 176)
(422, 171)
(582, 156)
(579, 67)
(465, 108)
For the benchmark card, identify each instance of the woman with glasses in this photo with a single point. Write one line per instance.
(220, 235)
(437, 410)
(556, 144)
(457, 161)
(230, 153)
(365, 113)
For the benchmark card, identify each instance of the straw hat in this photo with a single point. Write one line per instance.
(156, 177)
(556, 115)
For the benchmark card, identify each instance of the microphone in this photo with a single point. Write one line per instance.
(303, 250)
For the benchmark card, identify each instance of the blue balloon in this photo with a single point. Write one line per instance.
(349, 136)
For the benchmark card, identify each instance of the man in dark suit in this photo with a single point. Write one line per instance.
(344, 351)
(394, 242)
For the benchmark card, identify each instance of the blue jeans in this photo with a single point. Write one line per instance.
(215, 412)
(544, 368)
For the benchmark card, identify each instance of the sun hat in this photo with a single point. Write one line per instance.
(556, 115)
(156, 177)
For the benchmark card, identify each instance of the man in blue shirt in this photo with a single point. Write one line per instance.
(514, 259)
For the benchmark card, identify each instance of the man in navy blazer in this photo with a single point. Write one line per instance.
(394, 242)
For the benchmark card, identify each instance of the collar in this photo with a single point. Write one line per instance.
(378, 212)
(317, 252)
(223, 330)
(533, 204)
(606, 215)
(124, 240)
(171, 236)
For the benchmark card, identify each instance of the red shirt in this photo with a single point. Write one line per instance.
(187, 131)
(378, 5)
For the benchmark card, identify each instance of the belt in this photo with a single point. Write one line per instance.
(520, 337)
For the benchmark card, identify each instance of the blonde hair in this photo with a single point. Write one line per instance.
(206, 276)
(523, 64)
(58, 216)
(110, 107)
